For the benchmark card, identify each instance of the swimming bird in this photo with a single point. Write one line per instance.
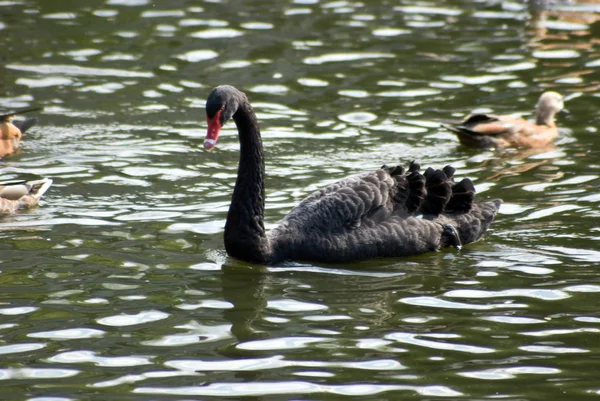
(504, 131)
(12, 131)
(389, 212)
(16, 195)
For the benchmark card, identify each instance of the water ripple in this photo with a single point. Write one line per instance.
(425, 10)
(162, 13)
(193, 56)
(390, 32)
(217, 33)
(558, 332)
(547, 295)
(290, 305)
(413, 339)
(294, 387)
(44, 82)
(440, 303)
(509, 373)
(548, 349)
(18, 310)
(36, 374)
(513, 319)
(358, 117)
(196, 333)
(340, 57)
(277, 362)
(131, 320)
(68, 334)
(556, 54)
(587, 255)
(76, 70)
(17, 348)
(283, 343)
(91, 357)
(477, 80)
(129, 3)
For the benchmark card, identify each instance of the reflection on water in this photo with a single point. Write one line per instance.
(118, 281)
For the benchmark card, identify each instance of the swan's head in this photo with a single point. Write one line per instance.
(221, 105)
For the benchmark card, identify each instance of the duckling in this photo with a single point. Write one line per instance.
(494, 131)
(11, 132)
(16, 195)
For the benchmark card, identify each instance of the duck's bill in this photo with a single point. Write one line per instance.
(214, 126)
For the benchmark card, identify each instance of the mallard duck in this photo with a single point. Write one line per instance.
(16, 195)
(494, 131)
(11, 131)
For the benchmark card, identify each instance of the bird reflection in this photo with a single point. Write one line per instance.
(581, 16)
(564, 10)
(243, 287)
(500, 169)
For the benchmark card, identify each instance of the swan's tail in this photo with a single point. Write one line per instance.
(443, 195)
(449, 171)
(463, 195)
(416, 186)
(439, 191)
(435, 194)
(471, 226)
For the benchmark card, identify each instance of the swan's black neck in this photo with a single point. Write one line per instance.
(245, 236)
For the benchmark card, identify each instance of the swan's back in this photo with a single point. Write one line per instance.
(390, 212)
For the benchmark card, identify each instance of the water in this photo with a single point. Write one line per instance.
(117, 287)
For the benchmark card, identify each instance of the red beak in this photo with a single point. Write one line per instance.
(214, 126)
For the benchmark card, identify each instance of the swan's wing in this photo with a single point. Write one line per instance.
(379, 215)
(372, 197)
(345, 203)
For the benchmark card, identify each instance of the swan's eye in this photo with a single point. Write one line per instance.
(213, 109)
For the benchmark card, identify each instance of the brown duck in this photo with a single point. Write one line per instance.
(11, 132)
(16, 195)
(494, 131)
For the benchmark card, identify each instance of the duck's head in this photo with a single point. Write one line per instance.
(221, 105)
(9, 131)
(547, 106)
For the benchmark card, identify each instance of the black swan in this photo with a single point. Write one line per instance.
(390, 212)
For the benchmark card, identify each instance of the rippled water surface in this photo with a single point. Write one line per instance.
(117, 286)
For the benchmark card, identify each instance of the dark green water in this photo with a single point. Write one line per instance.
(117, 286)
